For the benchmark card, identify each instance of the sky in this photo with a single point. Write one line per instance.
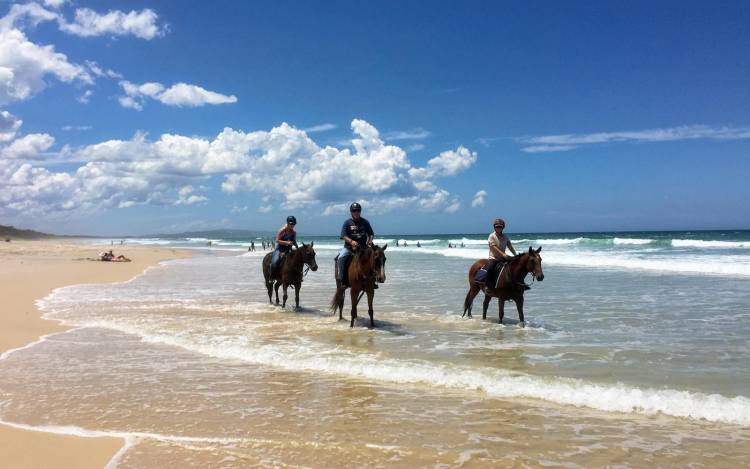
(127, 118)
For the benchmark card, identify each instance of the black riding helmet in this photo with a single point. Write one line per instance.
(355, 207)
(291, 219)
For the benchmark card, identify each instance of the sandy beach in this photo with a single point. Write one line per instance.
(29, 270)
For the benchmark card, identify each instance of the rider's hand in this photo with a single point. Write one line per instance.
(354, 244)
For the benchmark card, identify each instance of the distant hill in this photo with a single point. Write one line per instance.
(213, 234)
(15, 233)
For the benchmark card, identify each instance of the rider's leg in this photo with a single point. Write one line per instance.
(275, 262)
(343, 257)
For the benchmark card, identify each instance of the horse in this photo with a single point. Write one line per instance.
(290, 272)
(366, 267)
(511, 285)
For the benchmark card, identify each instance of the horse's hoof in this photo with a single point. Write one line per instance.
(522, 324)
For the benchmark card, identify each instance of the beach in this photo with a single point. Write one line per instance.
(30, 270)
(624, 360)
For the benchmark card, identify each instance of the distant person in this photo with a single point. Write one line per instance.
(396, 243)
(404, 243)
(498, 243)
(449, 245)
(263, 243)
(356, 233)
(462, 244)
(419, 245)
(285, 239)
(252, 246)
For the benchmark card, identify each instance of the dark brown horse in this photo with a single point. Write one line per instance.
(289, 271)
(510, 287)
(366, 267)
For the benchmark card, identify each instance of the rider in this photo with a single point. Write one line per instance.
(498, 242)
(285, 239)
(356, 232)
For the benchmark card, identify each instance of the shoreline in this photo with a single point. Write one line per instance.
(29, 271)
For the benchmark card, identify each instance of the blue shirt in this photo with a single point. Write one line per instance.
(285, 235)
(357, 230)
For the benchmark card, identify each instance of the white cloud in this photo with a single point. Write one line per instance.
(54, 3)
(87, 23)
(479, 199)
(282, 164)
(265, 208)
(25, 65)
(29, 146)
(320, 128)
(566, 142)
(238, 209)
(448, 163)
(80, 128)
(416, 147)
(9, 125)
(181, 95)
(85, 97)
(411, 134)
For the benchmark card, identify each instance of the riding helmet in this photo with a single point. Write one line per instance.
(291, 219)
(355, 207)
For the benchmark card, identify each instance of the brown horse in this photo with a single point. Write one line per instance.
(366, 267)
(510, 287)
(289, 272)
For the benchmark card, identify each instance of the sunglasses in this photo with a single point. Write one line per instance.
(357, 211)
(499, 226)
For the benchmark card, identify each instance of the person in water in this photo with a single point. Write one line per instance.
(286, 238)
(498, 243)
(356, 233)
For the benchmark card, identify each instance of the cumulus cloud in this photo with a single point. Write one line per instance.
(9, 125)
(87, 23)
(282, 164)
(478, 200)
(28, 147)
(180, 94)
(567, 142)
(25, 65)
(448, 163)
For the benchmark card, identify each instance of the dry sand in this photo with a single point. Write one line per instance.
(29, 270)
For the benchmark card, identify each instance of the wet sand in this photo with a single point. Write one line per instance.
(29, 270)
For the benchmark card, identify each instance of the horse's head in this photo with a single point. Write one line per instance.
(378, 262)
(308, 255)
(534, 263)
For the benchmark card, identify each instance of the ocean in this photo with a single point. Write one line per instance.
(634, 352)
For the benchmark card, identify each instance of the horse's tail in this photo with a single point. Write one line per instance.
(338, 299)
(467, 302)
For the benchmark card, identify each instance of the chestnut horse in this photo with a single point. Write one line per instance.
(290, 271)
(510, 287)
(366, 267)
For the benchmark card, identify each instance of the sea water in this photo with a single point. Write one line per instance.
(634, 353)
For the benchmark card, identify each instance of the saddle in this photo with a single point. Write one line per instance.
(495, 277)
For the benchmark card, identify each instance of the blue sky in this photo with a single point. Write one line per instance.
(568, 116)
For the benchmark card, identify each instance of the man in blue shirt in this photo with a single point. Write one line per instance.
(356, 233)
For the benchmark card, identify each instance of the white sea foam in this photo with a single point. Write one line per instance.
(497, 383)
(697, 243)
(636, 241)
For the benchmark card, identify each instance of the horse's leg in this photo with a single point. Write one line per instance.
(283, 305)
(472, 293)
(296, 294)
(519, 307)
(269, 287)
(354, 295)
(485, 305)
(276, 287)
(370, 295)
(501, 310)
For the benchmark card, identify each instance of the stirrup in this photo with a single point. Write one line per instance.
(525, 286)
